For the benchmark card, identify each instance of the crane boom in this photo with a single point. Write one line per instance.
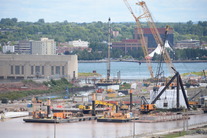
(146, 14)
(142, 39)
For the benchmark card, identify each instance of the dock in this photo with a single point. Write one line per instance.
(159, 118)
(116, 120)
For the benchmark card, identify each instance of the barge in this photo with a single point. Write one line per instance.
(116, 117)
(59, 120)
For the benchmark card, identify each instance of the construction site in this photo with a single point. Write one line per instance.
(158, 99)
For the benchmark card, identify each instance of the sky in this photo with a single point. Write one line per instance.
(100, 10)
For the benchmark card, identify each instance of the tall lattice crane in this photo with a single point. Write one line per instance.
(146, 14)
(142, 39)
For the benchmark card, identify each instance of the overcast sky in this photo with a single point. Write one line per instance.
(100, 10)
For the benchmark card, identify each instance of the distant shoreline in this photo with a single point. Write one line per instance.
(141, 61)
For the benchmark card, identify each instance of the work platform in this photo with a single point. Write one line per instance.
(116, 120)
(58, 120)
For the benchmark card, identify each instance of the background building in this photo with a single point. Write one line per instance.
(38, 66)
(184, 44)
(24, 47)
(8, 49)
(151, 43)
(44, 47)
(149, 39)
(126, 45)
(78, 43)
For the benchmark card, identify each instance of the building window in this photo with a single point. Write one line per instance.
(43, 71)
(17, 69)
(12, 70)
(32, 70)
(22, 69)
(52, 70)
(57, 70)
(63, 70)
(37, 69)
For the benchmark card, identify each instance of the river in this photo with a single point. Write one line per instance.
(17, 128)
(134, 70)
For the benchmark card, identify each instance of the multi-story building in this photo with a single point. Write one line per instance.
(41, 66)
(44, 47)
(126, 45)
(24, 47)
(149, 39)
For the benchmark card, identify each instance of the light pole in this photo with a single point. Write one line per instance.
(55, 128)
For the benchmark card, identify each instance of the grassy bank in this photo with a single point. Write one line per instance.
(195, 73)
(54, 86)
(83, 74)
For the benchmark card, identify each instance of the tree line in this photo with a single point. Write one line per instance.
(96, 33)
(92, 32)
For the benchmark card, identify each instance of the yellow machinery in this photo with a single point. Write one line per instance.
(88, 108)
(85, 107)
(146, 107)
(192, 102)
(105, 103)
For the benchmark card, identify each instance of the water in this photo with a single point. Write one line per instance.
(133, 70)
(17, 128)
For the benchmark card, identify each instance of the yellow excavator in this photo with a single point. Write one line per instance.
(87, 108)
(146, 107)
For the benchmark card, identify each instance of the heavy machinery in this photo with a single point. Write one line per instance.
(142, 39)
(178, 86)
(147, 15)
(88, 108)
(145, 106)
(192, 101)
(108, 81)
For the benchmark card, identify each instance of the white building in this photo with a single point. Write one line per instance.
(79, 43)
(44, 47)
(8, 49)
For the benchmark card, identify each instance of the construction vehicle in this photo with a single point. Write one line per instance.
(145, 106)
(192, 101)
(88, 108)
(85, 108)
